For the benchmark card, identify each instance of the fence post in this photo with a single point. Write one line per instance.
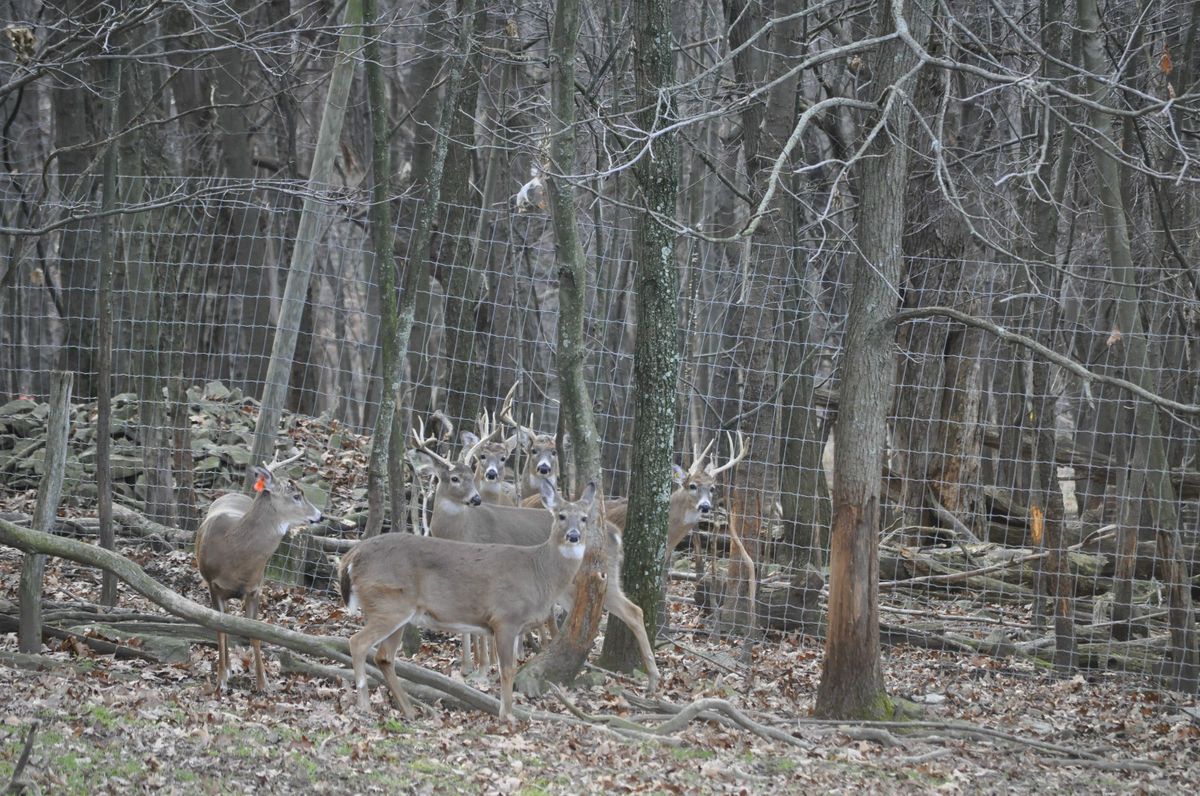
(29, 594)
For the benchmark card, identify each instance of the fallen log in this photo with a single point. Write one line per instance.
(9, 624)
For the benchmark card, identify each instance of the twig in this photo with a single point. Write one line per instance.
(873, 734)
(19, 784)
(934, 754)
(702, 708)
(1104, 765)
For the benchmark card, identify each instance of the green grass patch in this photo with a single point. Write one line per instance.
(683, 753)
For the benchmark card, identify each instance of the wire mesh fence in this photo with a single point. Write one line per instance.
(1007, 474)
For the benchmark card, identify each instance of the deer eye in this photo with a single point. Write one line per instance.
(692, 486)
(562, 516)
(454, 479)
(503, 459)
(554, 453)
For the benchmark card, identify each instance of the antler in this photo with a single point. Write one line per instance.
(488, 430)
(422, 443)
(698, 461)
(734, 459)
(276, 464)
(506, 414)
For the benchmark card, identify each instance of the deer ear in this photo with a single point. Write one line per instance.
(589, 494)
(678, 474)
(468, 438)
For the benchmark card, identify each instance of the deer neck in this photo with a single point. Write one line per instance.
(683, 511)
(262, 520)
(556, 564)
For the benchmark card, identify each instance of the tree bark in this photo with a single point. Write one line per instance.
(852, 684)
(656, 351)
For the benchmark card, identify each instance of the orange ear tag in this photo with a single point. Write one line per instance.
(260, 484)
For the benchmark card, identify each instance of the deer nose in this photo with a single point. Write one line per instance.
(705, 507)
(573, 536)
(543, 468)
(475, 500)
(491, 474)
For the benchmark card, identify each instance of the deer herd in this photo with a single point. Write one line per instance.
(498, 560)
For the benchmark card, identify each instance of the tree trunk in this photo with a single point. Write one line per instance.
(104, 340)
(656, 351)
(383, 236)
(565, 657)
(244, 242)
(291, 310)
(74, 105)
(292, 306)
(1129, 333)
(461, 277)
(387, 441)
(852, 684)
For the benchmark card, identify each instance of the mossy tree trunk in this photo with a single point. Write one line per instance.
(565, 657)
(397, 320)
(656, 349)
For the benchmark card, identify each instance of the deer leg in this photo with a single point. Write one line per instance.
(630, 613)
(385, 659)
(260, 672)
(376, 629)
(218, 604)
(482, 655)
(506, 641)
(468, 658)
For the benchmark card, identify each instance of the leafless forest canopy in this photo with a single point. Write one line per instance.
(1044, 339)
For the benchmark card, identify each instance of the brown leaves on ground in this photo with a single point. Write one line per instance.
(131, 726)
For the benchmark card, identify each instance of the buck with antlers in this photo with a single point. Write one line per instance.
(541, 456)
(235, 541)
(694, 498)
(499, 589)
(490, 454)
(459, 514)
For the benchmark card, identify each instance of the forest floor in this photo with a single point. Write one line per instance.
(132, 726)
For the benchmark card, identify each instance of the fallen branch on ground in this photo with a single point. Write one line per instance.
(19, 784)
(31, 541)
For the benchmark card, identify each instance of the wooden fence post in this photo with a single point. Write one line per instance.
(29, 636)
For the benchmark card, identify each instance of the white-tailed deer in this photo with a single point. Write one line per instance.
(235, 541)
(459, 515)
(459, 587)
(693, 498)
(541, 456)
(490, 458)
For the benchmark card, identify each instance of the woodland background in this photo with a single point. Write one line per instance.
(1014, 181)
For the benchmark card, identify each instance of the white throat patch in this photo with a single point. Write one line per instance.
(574, 551)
